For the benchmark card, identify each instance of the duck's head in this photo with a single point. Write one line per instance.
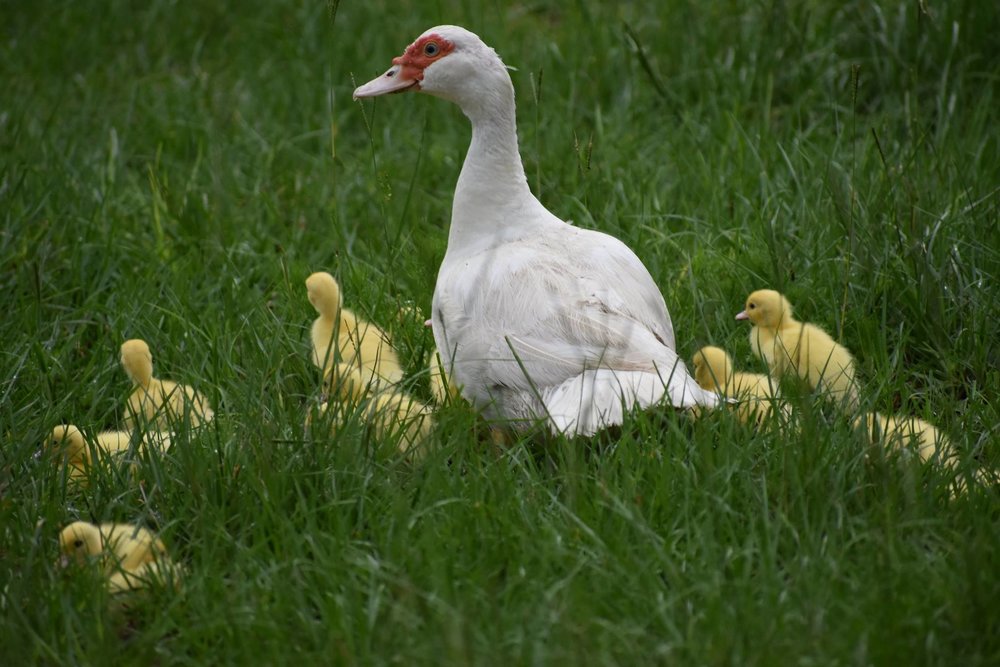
(766, 308)
(447, 61)
(324, 293)
(712, 367)
(137, 361)
(68, 440)
(79, 540)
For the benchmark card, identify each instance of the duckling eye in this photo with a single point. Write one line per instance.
(431, 49)
(752, 306)
(77, 543)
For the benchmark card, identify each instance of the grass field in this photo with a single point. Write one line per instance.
(174, 171)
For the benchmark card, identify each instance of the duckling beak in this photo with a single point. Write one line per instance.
(64, 561)
(397, 79)
(742, 315)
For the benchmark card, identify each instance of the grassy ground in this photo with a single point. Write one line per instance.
(174, 171)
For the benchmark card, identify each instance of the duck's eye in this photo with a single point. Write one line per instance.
(77, 543)
(752, 306)
(431, 49)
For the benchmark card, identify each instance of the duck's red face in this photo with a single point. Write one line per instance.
(407, 70)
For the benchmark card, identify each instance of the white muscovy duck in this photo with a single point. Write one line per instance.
(534, 318)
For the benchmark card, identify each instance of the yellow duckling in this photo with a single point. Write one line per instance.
(758, 394)
(443, 388)
(129, 556)
(341, 337)
(790, 346)
(903, 432)
(159, 402)
(391, 412)
(899, 432)
(68, 441)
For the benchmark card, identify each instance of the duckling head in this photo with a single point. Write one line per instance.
(766, 308)
(712, 367)
(66, 439)
(78, 541)
(324, 293)
(137, 361)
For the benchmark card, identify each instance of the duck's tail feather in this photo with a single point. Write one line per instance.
(598, 398)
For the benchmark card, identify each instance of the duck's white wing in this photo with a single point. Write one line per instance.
(589, 366)
(583, 327)
(581, 297)
(622, 283)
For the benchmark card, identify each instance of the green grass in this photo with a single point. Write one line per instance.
(174, 171)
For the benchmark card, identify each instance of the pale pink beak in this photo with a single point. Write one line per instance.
(396, 80)
(428, 323)
(742, 315)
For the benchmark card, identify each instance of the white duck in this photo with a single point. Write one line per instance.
(534, 318)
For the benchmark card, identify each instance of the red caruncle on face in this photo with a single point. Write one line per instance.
(421, 54)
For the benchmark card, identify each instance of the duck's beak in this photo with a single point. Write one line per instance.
(397, 79)
(742, 315)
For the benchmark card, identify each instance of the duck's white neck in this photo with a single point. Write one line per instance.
(492, 200)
